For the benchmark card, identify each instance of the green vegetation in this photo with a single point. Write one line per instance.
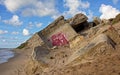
(22, 45)
(117, 19)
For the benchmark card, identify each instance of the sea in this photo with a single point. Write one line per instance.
(5, 54)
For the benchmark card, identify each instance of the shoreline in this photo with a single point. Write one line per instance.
(14, 53)
(12, 58)
(4, 67)
(14, 64)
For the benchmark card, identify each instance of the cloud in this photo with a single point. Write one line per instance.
(13, 21)
(45, 7)
(41, 8)
(90, 15)
(14, 5)
(26, 32)
(108, 11)
(34, 24)
(15, 33)
(32, 7)
(38, 25)
(30, 25)
(11, 38)
(115, 1)
(57, 15)
(3, 40)
(75, 6)
(3, 31)
(10, 41)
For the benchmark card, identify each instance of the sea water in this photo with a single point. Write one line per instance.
(5, 54)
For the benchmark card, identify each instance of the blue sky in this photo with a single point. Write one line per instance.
(20, 19)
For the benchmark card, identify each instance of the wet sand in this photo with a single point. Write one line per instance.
(15, 65)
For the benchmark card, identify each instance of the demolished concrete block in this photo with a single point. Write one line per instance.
(86, 48)
(58, 36)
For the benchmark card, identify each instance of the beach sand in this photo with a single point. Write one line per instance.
(15, 65)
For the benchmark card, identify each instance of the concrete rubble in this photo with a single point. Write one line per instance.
(65, 43)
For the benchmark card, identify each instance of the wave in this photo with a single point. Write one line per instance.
(5, 54)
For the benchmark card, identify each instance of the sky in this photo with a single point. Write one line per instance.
(20, 19)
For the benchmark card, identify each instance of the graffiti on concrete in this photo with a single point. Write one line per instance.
(59, 39)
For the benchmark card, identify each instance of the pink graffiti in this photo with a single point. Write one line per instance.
(59, 39)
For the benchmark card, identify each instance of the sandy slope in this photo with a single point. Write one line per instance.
(103, 59)
(107, 63)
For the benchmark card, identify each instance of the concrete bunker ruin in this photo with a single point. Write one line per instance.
(58, 35)
(79, 22)
(61, 31)
(81, 26)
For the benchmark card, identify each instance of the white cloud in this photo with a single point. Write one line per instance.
(38, 25)
(3, 31)
(115, 1)
(90, 15)
(32, 7)
(30, 25)
(34, 24)
(84, 4)
(57, 15)
(75, 6)
(45, 7)
(3, 40)
(108, 11)
(15, 33)
(14, 21)
(14, 5)
(26, 32)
